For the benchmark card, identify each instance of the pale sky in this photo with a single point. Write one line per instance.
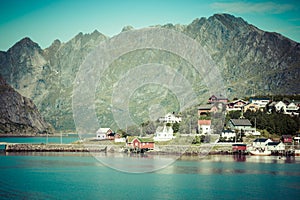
(46, 20)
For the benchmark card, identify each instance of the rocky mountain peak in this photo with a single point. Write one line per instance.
(127, 28)
(229, 23)
(24, 45)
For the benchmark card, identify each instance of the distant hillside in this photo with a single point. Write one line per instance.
(250, 60)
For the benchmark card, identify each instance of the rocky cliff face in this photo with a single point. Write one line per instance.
(250, 60)
(18, 114)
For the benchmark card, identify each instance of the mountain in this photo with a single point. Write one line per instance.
(250, 60)
(18, 114)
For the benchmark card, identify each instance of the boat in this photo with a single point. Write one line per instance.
(260, 152)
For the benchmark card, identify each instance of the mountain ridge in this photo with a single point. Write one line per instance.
(251, 61)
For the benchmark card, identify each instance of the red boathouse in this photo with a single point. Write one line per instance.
(239, 148)
(140, 144)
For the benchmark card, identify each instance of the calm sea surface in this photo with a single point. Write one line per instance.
(81, 176)
(39, 140)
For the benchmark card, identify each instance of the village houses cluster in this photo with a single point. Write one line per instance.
(164, 131)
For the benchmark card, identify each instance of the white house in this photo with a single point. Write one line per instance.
(228, 134)
(163, 133)
(261, 102)
(292, 109)
(204, 126)
(254, 133)
(261, 142)
(102, 133)
(120, 140)
(275, 146)
(170, 118)
(280, 106)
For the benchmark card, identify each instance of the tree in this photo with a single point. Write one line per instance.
(235, 114)
(274, 123)
(176, 127)
(196, 140)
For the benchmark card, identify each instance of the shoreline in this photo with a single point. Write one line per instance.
(108, 148)
(112, 148)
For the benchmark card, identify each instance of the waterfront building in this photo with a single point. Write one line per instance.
(261, 142)
(276, 146)
(139, 143)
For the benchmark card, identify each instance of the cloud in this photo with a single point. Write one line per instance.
(247, 7)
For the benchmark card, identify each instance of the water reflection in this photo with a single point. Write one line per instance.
(239, 157)
(135, 163)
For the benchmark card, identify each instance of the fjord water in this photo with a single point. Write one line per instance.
(39, 140)
(81, 176)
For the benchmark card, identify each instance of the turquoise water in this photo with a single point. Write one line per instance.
(39, 140)
(81, 176)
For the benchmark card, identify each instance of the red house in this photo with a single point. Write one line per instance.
(215, 99)
(286, 139)
(239, 148)
(140, 143)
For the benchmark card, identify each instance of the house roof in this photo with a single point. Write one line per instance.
(273, 143)
(204, 122)
(280, 102)
(131, 138)
(238, 100)
(103, 130)
(292, 105)
(260, 140)
(146, 139)
(240, 122)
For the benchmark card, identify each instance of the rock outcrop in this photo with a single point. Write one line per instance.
(18, 114)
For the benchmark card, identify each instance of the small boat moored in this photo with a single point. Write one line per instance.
(260, 152)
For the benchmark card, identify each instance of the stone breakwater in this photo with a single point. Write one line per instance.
(54, 148)
(159, 149)
(203, 149)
